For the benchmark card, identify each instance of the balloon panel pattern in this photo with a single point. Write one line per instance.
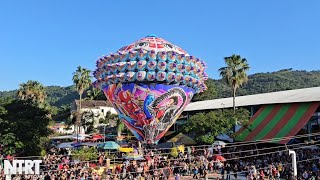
(148, 110)
(159, 69)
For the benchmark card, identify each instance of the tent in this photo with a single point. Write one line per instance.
(166, 145)
(122, 149)
(219, 143)
(134, 157)
(97, 136)
(182, 139)
(277, 122)
(90, 144)
(65, 145)
(110, 145)
(74, 136)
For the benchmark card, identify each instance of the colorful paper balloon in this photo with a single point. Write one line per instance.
(149, 83)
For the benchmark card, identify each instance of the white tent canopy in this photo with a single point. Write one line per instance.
(73, 136)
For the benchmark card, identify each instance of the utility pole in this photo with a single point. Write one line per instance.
(104, 133)
(294, 162)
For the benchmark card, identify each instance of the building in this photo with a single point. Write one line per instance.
(97, 107)
(275, 115)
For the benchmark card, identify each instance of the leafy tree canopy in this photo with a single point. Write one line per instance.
(210, 93)
(206, 126)
(86, 154)
(32, 90)
(22, 124)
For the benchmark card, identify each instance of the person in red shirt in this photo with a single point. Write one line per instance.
(262, 175)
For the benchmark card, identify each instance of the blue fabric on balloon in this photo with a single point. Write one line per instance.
(181, 68)
(151, 65)
(133, 56)
(122, 66)
(162, 56)
(162, 65)
(171, 77)
(142, 55)
(172, 66)
(140, 75)
(151, 76)
(131, 66)
(141, 65)
(152, 55)
(146, 103)
(121, 76)
(123, 56)
(130, 76)
(161, 76)
(180, 59)
(171, 56)
(165, 67)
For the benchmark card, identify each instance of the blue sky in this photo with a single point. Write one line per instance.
(47, 40)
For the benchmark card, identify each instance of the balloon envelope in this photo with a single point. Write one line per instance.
(149, 83)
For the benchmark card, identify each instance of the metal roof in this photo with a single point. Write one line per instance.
(93, 103)
(280, 97)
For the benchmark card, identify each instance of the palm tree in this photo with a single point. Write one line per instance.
(120, 127)
(32, 90)
(235, 74)
(82, 80)
(93, 94)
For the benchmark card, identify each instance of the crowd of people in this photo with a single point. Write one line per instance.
(195, 162)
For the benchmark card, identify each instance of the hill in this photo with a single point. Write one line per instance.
(285, 79)
(57, 96)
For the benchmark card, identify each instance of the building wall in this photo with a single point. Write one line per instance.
(99, 112)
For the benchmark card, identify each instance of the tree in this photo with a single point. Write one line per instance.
(22, 125)
(82, 80)
(87, 121)
(94, 94)
(63, 114)
(120, 127)
(86, 154)
(206, 126)
(111, 119)
(209, 94)
(235, 74)
(32, 90)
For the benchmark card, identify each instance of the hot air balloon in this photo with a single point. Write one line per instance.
(149, 83)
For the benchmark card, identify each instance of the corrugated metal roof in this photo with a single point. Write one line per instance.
(289, 96)
(93, 103)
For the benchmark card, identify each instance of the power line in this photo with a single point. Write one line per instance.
(257, 155)
(228, 145)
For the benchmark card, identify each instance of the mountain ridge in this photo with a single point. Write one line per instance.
(285, 79)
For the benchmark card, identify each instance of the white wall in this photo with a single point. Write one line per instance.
(100, 112)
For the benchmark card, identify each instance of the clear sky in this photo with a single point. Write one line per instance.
(47, 40)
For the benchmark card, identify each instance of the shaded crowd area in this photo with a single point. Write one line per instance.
(195, 162)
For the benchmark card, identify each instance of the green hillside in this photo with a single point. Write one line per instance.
(285, 79)
(57, 96)
(258, 83)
